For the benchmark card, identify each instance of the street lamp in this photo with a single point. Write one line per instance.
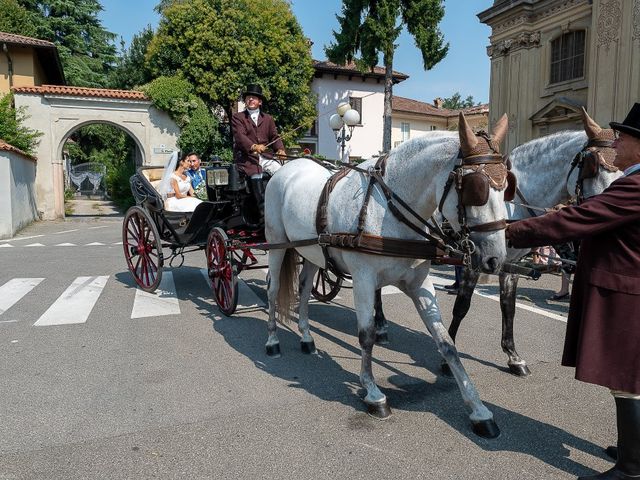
(342, 124)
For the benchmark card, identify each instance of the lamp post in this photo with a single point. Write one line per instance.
(342, 124)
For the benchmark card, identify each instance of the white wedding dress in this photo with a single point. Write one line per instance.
(186, 204)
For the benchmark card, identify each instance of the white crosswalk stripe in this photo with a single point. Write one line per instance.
(12, 291)
(76, 303)
(164, 301)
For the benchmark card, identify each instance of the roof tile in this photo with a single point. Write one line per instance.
(414, 106)
(4, 146)
(22, 40)
(82, 92)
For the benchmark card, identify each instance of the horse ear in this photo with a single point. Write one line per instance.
(590, 126)
(500, 129)
(468, 139)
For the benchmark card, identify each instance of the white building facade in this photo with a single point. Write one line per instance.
(334, 84)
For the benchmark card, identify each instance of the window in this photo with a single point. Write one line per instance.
(567, 57)
(356, 104)
(433, 127)
(405, 127)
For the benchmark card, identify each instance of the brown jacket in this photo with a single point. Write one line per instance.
(246, 133)
(603, 329)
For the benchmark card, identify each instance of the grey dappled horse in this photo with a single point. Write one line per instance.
(542, 167)
(417, 171)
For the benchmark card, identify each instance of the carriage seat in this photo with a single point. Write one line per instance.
(154, 175)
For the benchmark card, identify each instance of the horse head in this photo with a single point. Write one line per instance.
(477, 212)
(594, 163)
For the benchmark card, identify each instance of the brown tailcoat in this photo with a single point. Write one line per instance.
(246, 133)
(603, 329)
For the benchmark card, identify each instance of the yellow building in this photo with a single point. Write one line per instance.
(28, 62)
(549, 58)
(412, 118)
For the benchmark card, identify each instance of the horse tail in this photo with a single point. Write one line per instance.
(287, 291)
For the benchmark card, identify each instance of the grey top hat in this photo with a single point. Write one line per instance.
(631, 124)
(253, 89)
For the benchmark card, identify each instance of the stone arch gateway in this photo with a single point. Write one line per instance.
(58, 111)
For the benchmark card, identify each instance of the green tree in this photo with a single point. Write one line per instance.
(455, 102)
(220, 46)
(16, 19)
(86, 48)
(199, 127)
(371, 27)
(131, 70)
(12, 129)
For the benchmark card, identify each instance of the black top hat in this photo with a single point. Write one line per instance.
(631, 124)
(253, 89)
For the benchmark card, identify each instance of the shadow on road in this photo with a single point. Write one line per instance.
(323, 377)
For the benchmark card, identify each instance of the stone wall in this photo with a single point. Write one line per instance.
(17, 192)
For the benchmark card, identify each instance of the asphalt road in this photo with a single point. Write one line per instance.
(136, 391)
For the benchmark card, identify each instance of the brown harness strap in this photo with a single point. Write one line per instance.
(489, 226)
(385, 246)
(322, 218)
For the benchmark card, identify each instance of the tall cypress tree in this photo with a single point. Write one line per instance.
(87, 49)
(371, 27)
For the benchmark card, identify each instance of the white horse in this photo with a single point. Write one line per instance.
(417, 171)
(546, 178)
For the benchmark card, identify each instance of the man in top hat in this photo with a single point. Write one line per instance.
(253, 132)
(603, 329)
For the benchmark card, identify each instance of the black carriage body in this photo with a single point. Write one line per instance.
(229, 206)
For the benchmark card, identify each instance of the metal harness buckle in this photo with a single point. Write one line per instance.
(323, 239)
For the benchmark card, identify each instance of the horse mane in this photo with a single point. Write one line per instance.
(544, 151)
(413, 147)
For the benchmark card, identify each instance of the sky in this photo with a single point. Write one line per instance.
(465, 69)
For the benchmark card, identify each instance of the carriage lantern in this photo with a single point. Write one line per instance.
(342, 124)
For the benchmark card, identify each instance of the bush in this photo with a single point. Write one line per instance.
(200, 129)
(119, 188)
(11, 129)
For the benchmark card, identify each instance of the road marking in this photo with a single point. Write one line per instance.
(247, 298)
(76, 303)
(163, 301)
(65, 231)
(12, 291)
(93, 244)
(35, 245)
(6, 245)
(20, 238)
(478, 291)
(117, 243)
(94, 228)
(9, 321)
(390, 290)
(66, 245)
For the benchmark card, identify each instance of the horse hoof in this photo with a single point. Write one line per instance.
(446, 370)
(382, 338)
(485, 428)
(273, 350)
(520, 369)
(308, 347)
(380, 410)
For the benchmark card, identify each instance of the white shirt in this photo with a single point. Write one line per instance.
(254, 114)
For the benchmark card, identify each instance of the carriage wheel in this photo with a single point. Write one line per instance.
(142, 248)
(326, 285)
(222, 272)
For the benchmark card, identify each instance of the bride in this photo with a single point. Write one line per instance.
(176, 188)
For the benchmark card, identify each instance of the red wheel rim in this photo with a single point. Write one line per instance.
(141, 250)
(325, 288)
(221, 272)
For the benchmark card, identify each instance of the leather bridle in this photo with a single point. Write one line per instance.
(456, 179)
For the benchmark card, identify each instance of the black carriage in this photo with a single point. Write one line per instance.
(228, 226)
